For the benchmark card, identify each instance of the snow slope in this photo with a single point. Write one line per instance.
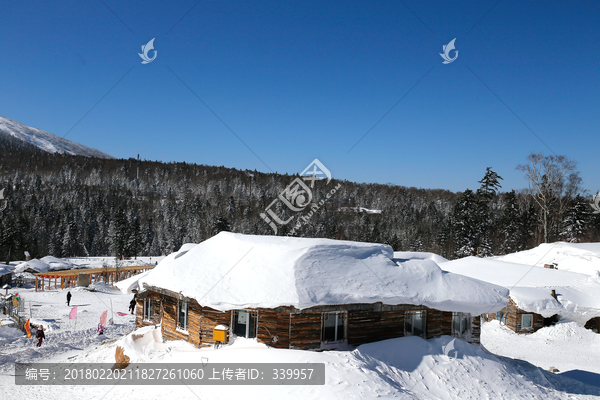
(230, 271)
(575, 257)
(45, 140)
(531, 287)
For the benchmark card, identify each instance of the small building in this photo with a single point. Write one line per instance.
(539, 296)
(6, 275)
(298, 293)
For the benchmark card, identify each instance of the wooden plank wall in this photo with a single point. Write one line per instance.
(446, 323)
(266, 327)
(475, 329)
(392, 324)
(210, 318)
(433, 323)
(283, 330)
(305, 330)
(364, 326)
(169, 321)
(139, 310)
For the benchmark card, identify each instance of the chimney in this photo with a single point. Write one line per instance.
(554, 294)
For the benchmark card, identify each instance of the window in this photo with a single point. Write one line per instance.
(244, 323)
(148, 310)
(182, 315)
(414, 323)
(461, 324)
(526, 321)
(333, 326)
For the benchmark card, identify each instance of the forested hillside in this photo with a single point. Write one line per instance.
(72, 205)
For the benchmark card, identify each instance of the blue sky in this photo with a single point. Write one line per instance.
(300, 80)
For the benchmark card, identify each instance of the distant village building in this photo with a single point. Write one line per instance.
(306, 294)
(539, 296)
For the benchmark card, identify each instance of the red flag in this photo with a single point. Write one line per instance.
(28, 328)
(122, 314)
(103, 318)
(73, 313)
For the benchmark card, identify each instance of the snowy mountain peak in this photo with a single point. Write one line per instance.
(46, 141)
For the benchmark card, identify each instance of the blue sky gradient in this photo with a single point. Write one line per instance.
(302, 80)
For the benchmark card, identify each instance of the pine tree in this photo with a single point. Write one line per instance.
(510, 227)
(118, 234)
(576, 219)
(464, 225)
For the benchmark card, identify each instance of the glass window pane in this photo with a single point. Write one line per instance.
(455, 322)
(408, 322)
(341, 324)
(418, 324)
(526, 321)
(466, 323)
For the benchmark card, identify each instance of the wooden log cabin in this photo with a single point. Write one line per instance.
(314, 328)
(518, 320)
(310, 294)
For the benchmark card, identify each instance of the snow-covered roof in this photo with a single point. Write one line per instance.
(575, 257)
(232, 271)
(531, 287)
(6, 270)
(45, 264)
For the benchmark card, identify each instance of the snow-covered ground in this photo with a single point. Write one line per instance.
(408, 368)
(567, 346)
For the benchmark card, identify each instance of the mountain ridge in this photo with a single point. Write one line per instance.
(46, 141)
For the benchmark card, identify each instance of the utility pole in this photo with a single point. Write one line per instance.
(137, 177)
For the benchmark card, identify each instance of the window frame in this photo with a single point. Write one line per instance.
(148, 310)
(464, 325)
(411, 314)
(530, 321)
(251, 323)
(344, 325)
(180, 326)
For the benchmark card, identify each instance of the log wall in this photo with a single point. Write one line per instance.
(289, 328)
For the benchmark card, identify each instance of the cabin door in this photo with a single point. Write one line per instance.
(244, 323)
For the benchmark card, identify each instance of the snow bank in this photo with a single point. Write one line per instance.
(531, 287)
(583, 258)
(232, 271)
(418, 255)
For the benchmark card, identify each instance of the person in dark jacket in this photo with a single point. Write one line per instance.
(68, 298)
(40, 335)
(132, 305)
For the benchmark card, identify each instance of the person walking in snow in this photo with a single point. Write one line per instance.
(68, 299)
(100, 329)
(40, 335)
(132, 305)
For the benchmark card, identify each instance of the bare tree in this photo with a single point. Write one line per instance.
(552, 181)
